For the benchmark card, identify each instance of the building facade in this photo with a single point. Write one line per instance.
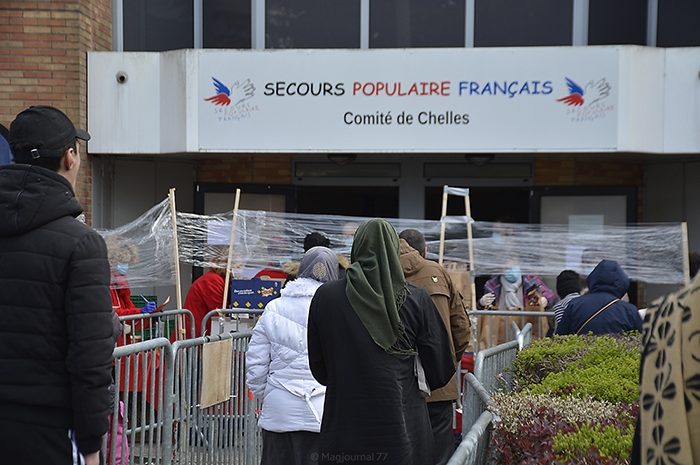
(144, 104)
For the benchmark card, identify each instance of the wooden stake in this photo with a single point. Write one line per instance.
(470, 246)
(443, 213)
(176, 251)
(230, 247)
(686, 252)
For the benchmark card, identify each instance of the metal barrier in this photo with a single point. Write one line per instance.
(157, 417)
(495, 326)
(490, 366)
(225, 433)
(224, 325)
(146, 326)
(139, 413)
(476, 421)
(523, 336)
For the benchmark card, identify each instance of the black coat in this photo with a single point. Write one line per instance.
(56, 338)
(374, 411)
(606, 283)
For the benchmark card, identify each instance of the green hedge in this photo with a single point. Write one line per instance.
(575, 401)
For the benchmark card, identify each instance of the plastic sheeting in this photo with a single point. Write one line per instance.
(650, 253)
(146, 246)
(270, 239)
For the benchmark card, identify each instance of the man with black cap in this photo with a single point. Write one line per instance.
(55, 309)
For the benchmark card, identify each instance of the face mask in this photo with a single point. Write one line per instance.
(497, 238)
(122, 268)
(512, 275)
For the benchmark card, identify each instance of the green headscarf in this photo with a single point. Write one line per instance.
(376, 287)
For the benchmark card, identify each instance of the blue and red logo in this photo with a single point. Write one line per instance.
(238, 92)
(594, 91)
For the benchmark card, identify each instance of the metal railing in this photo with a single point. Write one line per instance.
(491, 365)
(494, 327)
(157, 417)
(226, 320)
(476, 421)
(146, 326)
(139, 411)
(491, 371)
(225, 433)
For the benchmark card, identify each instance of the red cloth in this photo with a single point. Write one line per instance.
(206, 294)
(121, 296)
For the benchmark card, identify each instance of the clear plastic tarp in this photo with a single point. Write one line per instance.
(651, 253)
(271, 239)
(141, 253)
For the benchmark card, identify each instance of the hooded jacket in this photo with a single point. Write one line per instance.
(606, 283)
(434, 279)
(278, 363)
(56, 335)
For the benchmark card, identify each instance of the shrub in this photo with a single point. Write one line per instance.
(602, 368)
(613, 442)
(575, 402)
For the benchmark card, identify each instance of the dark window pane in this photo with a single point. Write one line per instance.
(156, 25)
(226, 24)
(416, 23)
(312, 24)
(612, 22)
(679, 23)
(513, 23)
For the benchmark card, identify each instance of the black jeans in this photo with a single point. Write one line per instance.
(292, 448)
(441, 414)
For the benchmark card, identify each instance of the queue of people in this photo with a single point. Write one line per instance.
(355, 362)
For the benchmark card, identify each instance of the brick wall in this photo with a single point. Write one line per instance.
(593, 171)
(43, 61)
(246, 169)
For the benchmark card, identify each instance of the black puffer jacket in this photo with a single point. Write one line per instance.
(55, 310)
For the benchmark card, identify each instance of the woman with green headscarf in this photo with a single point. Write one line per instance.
(366, 334)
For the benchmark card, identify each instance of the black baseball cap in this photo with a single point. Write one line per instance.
(43, 131)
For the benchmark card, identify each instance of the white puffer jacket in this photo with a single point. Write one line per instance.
(278, 363)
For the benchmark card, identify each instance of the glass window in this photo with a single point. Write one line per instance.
(679, 23)
(226, 23)
(416, 23)
(617, 22)
(157, 25)
(514, 23)
(312, 23)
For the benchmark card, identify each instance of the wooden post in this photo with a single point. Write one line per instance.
(443, 213)
(470, 246)
(176, 250)
(686, 252)
(230, 247)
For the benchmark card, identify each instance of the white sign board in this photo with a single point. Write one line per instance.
(437, 100)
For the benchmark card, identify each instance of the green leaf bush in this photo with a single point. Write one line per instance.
(575, 401)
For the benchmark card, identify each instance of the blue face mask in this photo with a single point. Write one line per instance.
(122, 268)
(513, 274)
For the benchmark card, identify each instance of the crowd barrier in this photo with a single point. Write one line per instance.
(491, 372)
(495, 327)
(157, 416)
(476, 421)
(225, 433)
(227, 320)
(146, 326)
(139, 411)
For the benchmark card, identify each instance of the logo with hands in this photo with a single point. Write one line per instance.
(237, 93)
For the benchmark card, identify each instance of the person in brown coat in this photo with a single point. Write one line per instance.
(434, 279)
